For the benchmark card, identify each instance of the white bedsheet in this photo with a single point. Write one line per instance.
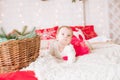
(103, 63)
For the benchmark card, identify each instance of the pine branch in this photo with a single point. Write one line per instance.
(3, 32)
(24, 30)
(73, 0)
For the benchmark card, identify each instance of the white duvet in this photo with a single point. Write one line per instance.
(103, 63)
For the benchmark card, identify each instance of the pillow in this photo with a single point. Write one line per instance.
(48, 33)
(79, 45)
(89, 32)
(99, 39)
(44, 44)
(76, 28)
(18, 75)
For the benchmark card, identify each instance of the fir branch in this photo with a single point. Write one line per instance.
(73, 0)
(17, 32)
(3, 32)
(24, 30)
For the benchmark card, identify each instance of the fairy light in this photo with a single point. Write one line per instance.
(18, 9)
(20, 15)
(37, 15)
(39, 10)
(23, 22)
(20, 4)
(1, 22)
(2, 15)
(37, 4)
(56, 10)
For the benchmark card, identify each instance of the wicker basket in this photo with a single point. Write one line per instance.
(16, 54)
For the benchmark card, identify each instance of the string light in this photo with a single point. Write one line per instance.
(0, 21)
(39, 10)
(23, 22)
(2, 15)
(20, 4)
(58, 9)
(37, 15)
(37, 4)
(20, 15)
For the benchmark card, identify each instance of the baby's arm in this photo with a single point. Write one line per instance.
(51, 49)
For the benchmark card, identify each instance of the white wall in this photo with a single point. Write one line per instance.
(17, 13)
(14, 14)
(97, 14)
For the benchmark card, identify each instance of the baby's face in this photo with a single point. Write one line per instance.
(64, 36)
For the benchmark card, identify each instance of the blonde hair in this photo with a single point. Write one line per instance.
(69, 28)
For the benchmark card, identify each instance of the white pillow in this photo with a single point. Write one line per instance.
(45, 44)
(99, 39)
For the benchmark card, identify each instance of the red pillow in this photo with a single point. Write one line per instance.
(76, 28)
(48, 33)
(19, 75)
(89, 32)
(79, 45)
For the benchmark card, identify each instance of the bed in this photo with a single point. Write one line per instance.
(103, 63)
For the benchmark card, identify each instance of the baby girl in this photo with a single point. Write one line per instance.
(61, 47)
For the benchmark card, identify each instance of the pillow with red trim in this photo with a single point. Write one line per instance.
(79, 45)
(18, 75)
(76, 28)
(48, 33)
(89, 32)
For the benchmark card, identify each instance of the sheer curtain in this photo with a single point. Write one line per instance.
(114, 20)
